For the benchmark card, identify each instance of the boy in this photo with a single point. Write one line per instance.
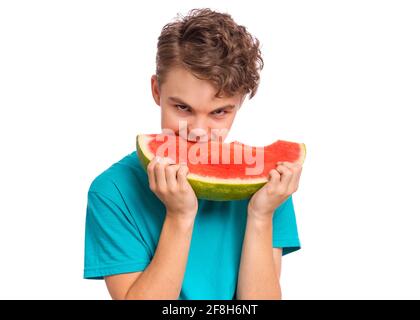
(147, 234)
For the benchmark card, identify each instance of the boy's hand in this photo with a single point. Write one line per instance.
(169, 182)
(283, 181)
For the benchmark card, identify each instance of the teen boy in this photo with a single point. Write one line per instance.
(147, 234)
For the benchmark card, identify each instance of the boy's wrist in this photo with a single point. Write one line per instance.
(183, 220)
(260, 217)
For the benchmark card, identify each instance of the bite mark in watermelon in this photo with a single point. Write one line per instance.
(219, 180)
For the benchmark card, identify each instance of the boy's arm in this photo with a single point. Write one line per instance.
(259, 271)
(163, 277)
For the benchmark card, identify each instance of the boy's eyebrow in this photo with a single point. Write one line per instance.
(178, 100)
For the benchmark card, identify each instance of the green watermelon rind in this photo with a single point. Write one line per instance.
(216, 191)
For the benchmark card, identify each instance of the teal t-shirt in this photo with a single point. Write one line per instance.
(124, 219)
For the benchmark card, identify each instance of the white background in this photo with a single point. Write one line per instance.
(341, 76)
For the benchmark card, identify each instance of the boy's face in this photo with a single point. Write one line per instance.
(189, 102)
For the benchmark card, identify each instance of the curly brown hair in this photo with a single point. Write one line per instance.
(212, 47)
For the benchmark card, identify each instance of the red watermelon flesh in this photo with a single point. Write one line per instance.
(221, 171)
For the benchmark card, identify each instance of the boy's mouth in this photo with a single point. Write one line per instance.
(202, 139)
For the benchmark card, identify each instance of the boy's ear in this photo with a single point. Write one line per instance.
(155, 89)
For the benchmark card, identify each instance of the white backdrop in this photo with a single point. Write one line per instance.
(341, 76)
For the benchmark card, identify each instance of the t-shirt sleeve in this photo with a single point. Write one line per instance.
(113, 244)
(285, 231)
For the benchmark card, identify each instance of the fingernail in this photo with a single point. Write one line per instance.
(158, 159)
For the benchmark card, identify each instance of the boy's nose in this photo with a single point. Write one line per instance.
(198, 134)
(198, 130)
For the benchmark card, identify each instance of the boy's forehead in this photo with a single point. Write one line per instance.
(182, 84)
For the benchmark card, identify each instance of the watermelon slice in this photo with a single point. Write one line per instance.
(220, 171)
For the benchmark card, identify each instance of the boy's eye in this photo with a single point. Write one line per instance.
(181, 107)
(219, 112)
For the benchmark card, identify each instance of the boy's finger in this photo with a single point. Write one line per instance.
(296, 178)
(286, 176)
(170, 173)
(296, 169)
(182, 176)
(274, 177)
(151, 173)
(159, 170)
